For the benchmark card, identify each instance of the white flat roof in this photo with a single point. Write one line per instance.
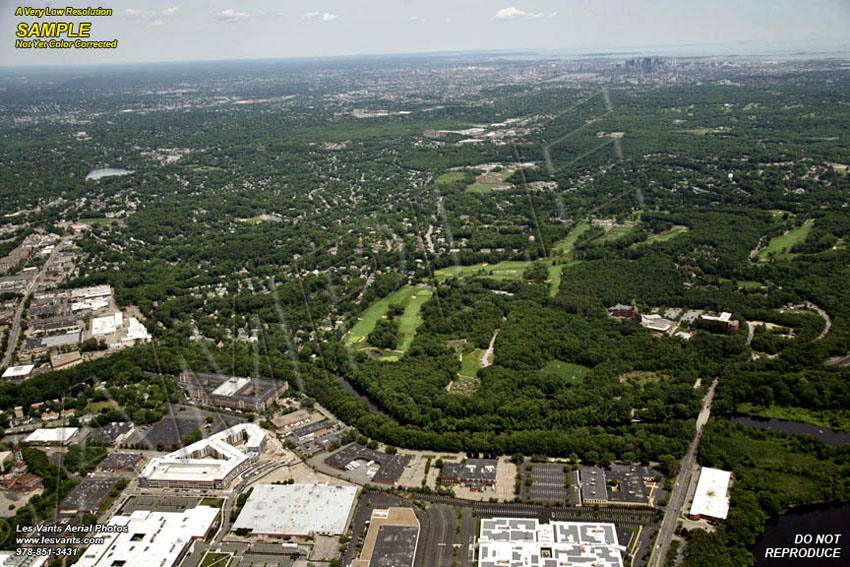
(153, 539)
(103, 325)
(725, 316)
(297, 509)
(136, 330)
(16, 371)
(231, 386)
(51, 435)
(189, 464)
(711, 496)
(512, 542)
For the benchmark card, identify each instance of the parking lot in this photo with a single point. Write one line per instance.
(548, 483)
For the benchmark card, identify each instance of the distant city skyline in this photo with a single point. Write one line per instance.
(175, 30)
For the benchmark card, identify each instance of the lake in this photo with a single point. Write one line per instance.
(106, 172)
(831, 437)
(820, 520)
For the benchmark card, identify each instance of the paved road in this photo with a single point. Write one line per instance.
(827, 320)
(19, 312)
(441, 535)
(680, 490)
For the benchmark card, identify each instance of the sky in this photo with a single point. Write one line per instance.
(186, 30)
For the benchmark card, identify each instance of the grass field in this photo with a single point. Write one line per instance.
(555, 276)
(780, 246)
(449, 177)
(832, 419)
(641, 377)
(746, 284)
(616, 233)
(565, 246)
(509, 269)
(471, 362)
(98, 222)
(412, 317)
(667, 234)
(566, 370)
(411, 298)
(483, 188)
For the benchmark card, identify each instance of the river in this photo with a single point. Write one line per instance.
(828, 522)
(372, 405)
(831, 437)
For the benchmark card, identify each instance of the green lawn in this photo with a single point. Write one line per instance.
(471, 362)
(780, 246)
(615, 233)
(483, 188)
(98, 222)
(449, 177)
(667, 234)
(510, 269)
(832, 419)
(216, 560)
(565, 246)
(411, 298)
(412, 317)
(555, 276)
(746, 284)
(566, 370)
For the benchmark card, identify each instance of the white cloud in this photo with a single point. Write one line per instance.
(324, 16)
(231, 15)
(153, 17)
(514, 13)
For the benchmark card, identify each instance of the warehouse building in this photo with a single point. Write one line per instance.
(18, 372)
(524, 542)
(51, 436)
(87, 497)
(162, 538)
(297, 510)
(211, 463)
(711, 498)
(234, 392)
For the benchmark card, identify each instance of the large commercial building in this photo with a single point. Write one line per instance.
(297, 510)
(151, 539)
(392, 539)
(524, 542)
(210, 463)
(88, 496)
(234, 392)
(52, 436)
(472, 473)
(618, 485)
(354, 455)
(711, 498)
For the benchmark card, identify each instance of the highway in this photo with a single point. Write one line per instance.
(680, 489)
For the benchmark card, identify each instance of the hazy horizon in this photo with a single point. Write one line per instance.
(179, 31)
